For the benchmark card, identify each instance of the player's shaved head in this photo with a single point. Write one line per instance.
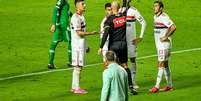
(115, 6)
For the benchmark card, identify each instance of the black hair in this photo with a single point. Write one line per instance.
(107, 5)
(160, 3)
(76, 1)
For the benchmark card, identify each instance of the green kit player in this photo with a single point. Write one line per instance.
(60, 30)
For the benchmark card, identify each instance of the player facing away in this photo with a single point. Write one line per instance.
(163, 29)
(108, 12)
(115, 28)
(60, 29)
(132, 15)
(78, 33)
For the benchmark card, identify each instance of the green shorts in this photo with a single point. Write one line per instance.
(61, 34)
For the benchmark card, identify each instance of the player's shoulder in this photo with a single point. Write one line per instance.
(164, 15)
(76, 16)
(132, 8)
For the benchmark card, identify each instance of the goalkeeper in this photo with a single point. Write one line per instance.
(60, 30)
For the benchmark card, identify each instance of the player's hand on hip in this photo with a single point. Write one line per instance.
(137, 40)
(100, 51)
(53, 28)
(164, 39)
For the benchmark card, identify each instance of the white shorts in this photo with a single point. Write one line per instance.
(78, 57)
(131, 50)
(163, 54)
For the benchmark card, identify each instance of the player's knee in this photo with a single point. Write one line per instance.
(77, 69)
(53, 45)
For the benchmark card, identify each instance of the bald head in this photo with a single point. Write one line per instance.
(115, 6)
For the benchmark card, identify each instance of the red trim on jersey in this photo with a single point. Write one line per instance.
(130, 17)
(118, 22)
(159, 23)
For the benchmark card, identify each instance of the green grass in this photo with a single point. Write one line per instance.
(25, 40)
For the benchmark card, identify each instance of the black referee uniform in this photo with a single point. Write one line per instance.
(116, 25)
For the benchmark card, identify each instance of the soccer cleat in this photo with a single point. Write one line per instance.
(167, 88)
(153, 90)
(79, 91)
(51, 66)
(87, 50)
(133, 91)
(135, 85)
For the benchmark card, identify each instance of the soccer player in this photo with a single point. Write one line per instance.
(60, 30)
(78, 30)
(115, 82)
(163, 29)
(108, 12)
(115, 27)
(132, 15)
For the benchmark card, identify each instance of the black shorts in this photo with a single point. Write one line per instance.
(120, 49)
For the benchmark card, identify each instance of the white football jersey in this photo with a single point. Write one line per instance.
(161, 25)
(132, 15)
(78, 23)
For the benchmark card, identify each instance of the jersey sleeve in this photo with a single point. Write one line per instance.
(107, 26)
(57, 12)
(102, 27)
(141, 20)
(54, 16)
(167, 21)
(76, 23)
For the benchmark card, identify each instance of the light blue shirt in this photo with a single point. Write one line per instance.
(115, 84)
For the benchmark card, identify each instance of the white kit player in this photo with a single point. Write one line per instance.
(163, 29)
(132, 15)
(78, 33)
(108, 12)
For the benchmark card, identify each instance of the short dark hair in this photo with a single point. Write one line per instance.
(160, 3)
(110, 56)
(107, 5)
(76, 1)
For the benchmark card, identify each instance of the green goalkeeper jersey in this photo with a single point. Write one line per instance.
(61, 14)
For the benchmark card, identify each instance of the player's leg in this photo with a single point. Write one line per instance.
(53, 45)
(77, 63)
(167, 73)
(132, 56)
(123, 59)
(67, 39)
(161, 66)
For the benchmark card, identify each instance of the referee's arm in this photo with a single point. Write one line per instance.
(105, 35)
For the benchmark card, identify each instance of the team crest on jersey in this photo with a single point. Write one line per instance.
(118, 22)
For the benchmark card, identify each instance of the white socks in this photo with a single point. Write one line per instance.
(159, 77)
(168, 76)
(76, 77)
(133, 71)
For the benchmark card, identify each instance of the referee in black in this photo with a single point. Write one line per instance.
(115, 28)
